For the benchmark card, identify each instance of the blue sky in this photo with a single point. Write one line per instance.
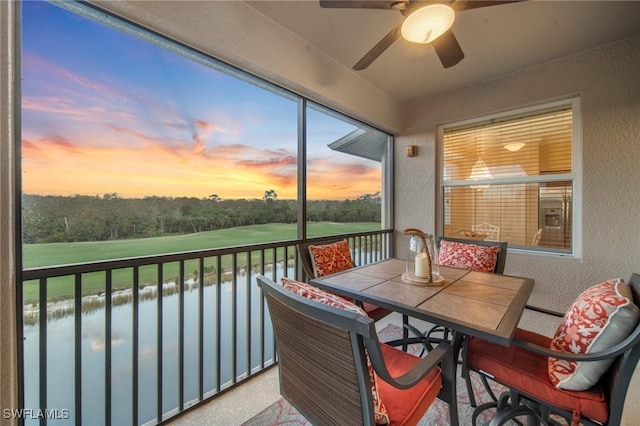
(107, 112)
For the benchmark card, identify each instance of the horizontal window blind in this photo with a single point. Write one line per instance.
(511, 180)
(529, 146)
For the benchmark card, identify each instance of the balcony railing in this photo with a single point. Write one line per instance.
(165, 334)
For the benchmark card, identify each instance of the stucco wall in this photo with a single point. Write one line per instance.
(608, 81)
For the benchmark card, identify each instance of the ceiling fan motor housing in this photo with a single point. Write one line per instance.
(438, 34)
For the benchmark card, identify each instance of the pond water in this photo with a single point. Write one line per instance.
(61, 353)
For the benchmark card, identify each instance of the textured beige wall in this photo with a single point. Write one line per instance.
(608, 81)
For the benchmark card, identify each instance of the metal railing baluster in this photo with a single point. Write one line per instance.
(43, 346)
(200, 328)
(247, 324)
(218, 312)
(77, 307)
(159, 346)
(107, 346)
(262, 313)
(234, 318)
(135, 333)
(181, 283)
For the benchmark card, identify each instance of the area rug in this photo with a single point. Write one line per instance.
(281, 413)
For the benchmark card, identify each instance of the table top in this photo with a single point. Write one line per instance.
(479, 304)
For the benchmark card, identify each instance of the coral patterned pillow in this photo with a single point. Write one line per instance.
(314, 293)
(330, 258)
(600, 317)
(468, 256)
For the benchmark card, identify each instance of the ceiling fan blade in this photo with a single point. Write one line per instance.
(377, 50)
(448, 49)
(357, 4)
(475, 4)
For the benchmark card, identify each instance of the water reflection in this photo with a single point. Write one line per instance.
(61, 352)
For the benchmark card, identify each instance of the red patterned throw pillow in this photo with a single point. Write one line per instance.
(600, 317)
(314, 293)
(330, 258)
(468, 256)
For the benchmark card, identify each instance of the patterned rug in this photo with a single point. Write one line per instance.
(281, 413)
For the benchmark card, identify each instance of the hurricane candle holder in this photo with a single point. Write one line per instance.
(421, 264)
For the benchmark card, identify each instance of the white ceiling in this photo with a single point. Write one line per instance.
(496, 40)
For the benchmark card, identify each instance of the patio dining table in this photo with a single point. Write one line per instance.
(478, 304)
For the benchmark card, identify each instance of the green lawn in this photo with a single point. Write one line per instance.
(39, 255)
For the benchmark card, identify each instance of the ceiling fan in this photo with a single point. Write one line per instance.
(426, 21)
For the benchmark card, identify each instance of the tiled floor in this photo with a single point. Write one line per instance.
(236, 406)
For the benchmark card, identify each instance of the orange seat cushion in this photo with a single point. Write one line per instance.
(526, 371)
(407, 407)
(375, 312)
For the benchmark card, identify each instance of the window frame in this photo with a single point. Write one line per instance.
(575, 176)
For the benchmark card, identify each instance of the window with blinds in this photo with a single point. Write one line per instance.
(511, 179)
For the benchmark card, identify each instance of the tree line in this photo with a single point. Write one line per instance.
(52, 218)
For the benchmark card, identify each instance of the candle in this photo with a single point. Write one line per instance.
(422, 265)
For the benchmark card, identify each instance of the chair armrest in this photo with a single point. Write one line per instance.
(544, 311)
(413, 376)
(632, 340)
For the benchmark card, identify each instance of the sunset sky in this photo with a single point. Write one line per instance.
(105, 112)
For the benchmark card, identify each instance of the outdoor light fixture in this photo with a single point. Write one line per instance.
(428, 23)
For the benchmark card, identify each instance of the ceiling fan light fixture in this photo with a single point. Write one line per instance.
(428, 23)
(514, 146)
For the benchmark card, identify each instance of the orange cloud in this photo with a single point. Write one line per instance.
(57, 166)
(134, 171)
(136, 144)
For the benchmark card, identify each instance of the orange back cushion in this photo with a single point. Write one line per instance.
(471, 257)
(328, 259)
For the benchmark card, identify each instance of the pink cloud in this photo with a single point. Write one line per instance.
(198, 148)
(47, 143)
(55, 71)
(210, 127)
(269, 163)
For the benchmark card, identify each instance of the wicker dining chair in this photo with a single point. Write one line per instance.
(322, 359)
(375, 312)
(524, 368)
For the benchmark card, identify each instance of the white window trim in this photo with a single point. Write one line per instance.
(575, 176)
